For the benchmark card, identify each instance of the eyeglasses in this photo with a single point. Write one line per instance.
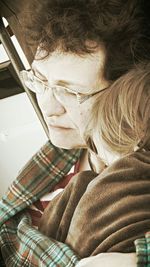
(36, 85)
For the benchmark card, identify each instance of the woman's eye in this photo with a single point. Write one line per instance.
(71, 93)
(67, 92)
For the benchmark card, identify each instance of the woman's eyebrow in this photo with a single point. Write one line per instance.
(61, 82)
(68, 84)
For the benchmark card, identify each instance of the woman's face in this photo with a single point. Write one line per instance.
(64, 116)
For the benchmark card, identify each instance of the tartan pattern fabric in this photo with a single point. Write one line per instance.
(21, 244)
(143, 251)
(28, 247)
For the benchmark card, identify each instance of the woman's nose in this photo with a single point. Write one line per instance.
(49, 105)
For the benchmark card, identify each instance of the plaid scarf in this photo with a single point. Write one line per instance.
(21, 244)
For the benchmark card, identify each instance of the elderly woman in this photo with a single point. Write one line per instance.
(83, 48)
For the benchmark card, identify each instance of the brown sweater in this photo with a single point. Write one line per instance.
(105, 212)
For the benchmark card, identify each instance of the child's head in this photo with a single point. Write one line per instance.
(121, 114)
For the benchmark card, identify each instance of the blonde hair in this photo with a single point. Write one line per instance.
(121, 115)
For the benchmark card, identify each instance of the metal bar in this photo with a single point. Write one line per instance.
(18, 66)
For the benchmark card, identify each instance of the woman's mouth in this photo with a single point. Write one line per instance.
(59, 127)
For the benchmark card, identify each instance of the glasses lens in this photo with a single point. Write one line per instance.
(31, 82)
(62, 91)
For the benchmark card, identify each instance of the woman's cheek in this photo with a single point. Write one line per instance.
(83, 119)
(78, 113)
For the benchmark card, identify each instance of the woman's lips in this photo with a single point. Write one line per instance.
(57, 123)
(59, 127)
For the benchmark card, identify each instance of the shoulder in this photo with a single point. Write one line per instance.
(131, 170)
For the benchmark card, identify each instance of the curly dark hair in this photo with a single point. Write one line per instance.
(122, 26)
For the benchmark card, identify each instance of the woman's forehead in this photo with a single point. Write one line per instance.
(74, 69)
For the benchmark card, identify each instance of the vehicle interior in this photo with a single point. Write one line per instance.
(22, 128)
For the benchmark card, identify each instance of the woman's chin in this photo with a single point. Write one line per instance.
(71, 139)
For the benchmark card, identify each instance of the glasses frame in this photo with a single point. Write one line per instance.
(31, 78)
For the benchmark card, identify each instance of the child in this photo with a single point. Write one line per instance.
(120, 119)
